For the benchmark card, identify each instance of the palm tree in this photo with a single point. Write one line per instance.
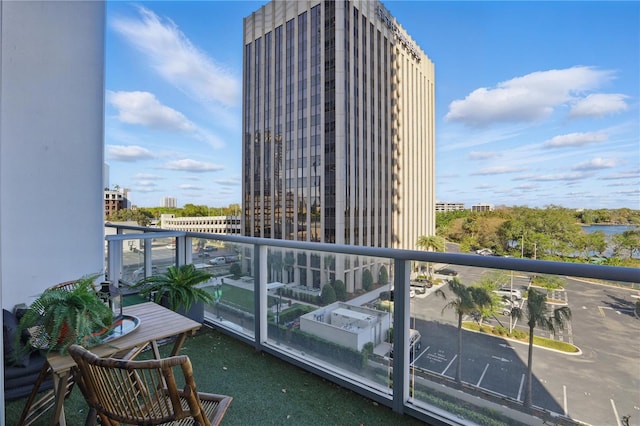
(537, 317)
(431, 243)
(467, 301)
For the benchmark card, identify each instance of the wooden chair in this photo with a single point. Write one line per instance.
(145, 392)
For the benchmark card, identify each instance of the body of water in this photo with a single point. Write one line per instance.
(608, 229)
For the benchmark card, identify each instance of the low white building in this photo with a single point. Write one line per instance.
(347, 325)
(211, 224)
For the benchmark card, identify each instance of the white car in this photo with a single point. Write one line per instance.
(220, 260)
(512, 294)
(506, 306)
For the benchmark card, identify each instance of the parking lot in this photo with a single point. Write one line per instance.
(593, 387)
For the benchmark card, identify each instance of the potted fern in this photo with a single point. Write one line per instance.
(62, 316)
(178, 290)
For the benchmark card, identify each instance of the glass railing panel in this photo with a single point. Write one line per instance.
(492, 364)
(232, 284)
(591, 386)
(132, 256)
(325, 308)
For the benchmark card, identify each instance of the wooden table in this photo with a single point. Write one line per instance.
(156, 323)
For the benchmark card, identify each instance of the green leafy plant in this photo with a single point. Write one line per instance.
(62, 316)
(178, 285)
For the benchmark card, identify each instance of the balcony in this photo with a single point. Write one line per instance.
(273, 325)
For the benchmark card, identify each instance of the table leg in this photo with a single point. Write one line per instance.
(178, 343)
(60, 388)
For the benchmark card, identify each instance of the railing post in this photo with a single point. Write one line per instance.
(188, 251)
(401, 317)
(181, 250)
(260, 294)
(114, 254)
(148, 260)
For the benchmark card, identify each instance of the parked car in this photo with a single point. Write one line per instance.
(419, 287)
(506, 306)
(220, 260)
(210, 248)
(512, 294)
(447, 271)
(484, 252)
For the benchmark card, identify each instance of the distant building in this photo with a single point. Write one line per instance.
(169, 202)
(347, 325)
(115, 199)
(338, 133)
(229, 225)
(338, 127)
(448, 207)
(482, 208)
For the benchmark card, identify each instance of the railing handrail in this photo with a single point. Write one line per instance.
(612, 273)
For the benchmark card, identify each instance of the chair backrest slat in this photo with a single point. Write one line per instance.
(137, 392)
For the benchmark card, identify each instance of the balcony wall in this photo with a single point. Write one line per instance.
(51, 144)
(275, 305)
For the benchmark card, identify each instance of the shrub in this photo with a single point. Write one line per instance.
(385, 295)
(500, 330)
(383, 276)
(550, 282)
(235, 270)
(367, 280)
(340, 289)
(328, 295)
(519, 334)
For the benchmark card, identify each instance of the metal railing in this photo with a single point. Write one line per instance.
(396, 382)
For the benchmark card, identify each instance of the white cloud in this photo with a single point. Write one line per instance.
(624, 175)
(146, 183)
(475, 155)
(596, 163)
(143, 108)
(194, 166)
(575, 139)
(565, 177)
(128, 153)
(484, 186)
(598, 105)
(189, 187)
(177, 60)
(498, 170)
(229, 182)
(527, 98)
(146, 176)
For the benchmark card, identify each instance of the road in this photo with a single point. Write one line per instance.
(597, 387)
(162, 257)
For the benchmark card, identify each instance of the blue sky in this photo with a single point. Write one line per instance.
(537, 103)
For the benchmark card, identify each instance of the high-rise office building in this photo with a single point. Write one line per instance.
(171, 202)
(338, 126)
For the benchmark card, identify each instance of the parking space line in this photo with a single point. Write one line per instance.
(519, 398)
(482, 375)
(564, 397)
(615, 412)
(449, 365)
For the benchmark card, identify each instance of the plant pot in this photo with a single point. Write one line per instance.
(195, 312)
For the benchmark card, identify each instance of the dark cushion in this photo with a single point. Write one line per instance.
(9, 330)
(19, 381)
